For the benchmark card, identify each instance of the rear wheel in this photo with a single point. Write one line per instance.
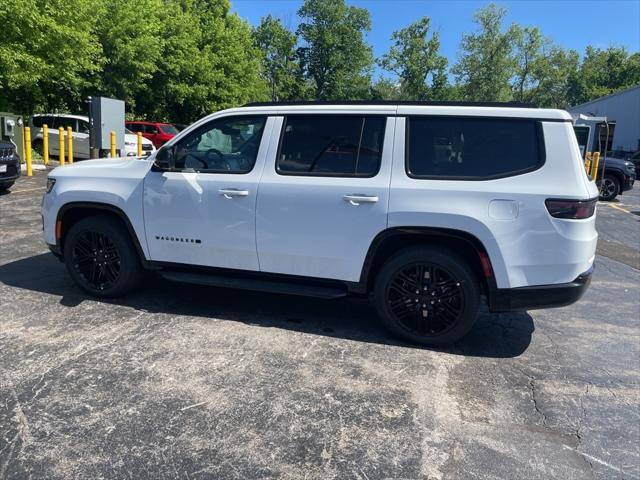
(427, 295)
(609, 188)
(101, 258)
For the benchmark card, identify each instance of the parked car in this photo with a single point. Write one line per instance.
(81, 132)
(158, 133)
(635, 158)
(619, 176)
(423, 208)
(9, 165)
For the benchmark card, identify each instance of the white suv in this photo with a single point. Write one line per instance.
(423, 207)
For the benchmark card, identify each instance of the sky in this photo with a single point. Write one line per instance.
(570, 23)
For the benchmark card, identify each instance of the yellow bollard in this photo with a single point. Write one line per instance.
(27, 153)
(139, 135)
(61, 146)
(70, 144)
(45, 143)
(594, 166)
(113, 144)
(587, 163)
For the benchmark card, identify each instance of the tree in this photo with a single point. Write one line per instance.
(132, 48)
(486, 65)
(414, 58)
(603, 72)
(528, 44)
(280, 69)
(208, 61)
(335, 57)
(48, 53)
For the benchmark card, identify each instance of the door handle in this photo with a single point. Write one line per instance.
(357, 199)
(232, 192)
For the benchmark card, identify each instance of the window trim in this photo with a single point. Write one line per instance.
(542, 153)
(327, 174)
(265, 117)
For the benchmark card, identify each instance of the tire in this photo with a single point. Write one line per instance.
(450, 297)
(101, 258)
(6, 186)
(609, 187)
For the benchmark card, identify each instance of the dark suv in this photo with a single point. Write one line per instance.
(9, 165)
(619, 176)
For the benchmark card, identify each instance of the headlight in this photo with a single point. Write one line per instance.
(50, 183)
(630, 166)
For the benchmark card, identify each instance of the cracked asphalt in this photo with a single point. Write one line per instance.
(179, 381)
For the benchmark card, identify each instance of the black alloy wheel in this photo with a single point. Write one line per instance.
(425, 299)
(427, 295)
(101, 257)
(96, 259)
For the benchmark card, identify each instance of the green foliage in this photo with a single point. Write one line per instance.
(132, 48)
(48, 53)
(178, 60)
(486, 64)
(280, 69)
(335, 57)
(414, 58)
(603, 72)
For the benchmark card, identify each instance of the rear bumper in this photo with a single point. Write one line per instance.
(540, 296)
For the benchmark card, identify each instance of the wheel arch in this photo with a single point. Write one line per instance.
(71, 213)
(389, 241)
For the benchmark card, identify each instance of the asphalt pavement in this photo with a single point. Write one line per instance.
(188, 382)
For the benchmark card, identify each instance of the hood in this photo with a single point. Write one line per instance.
(126, 167)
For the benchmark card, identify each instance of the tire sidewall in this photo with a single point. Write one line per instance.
(130, 269)
(616, 183)
(445, 260)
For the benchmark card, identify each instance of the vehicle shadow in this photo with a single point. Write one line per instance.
(495, 335)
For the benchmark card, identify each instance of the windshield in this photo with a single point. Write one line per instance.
(169, 129)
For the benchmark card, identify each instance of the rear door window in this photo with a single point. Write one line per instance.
(472, 148)
(331, 145)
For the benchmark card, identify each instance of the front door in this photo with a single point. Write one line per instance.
(202, 211)
(324, 198)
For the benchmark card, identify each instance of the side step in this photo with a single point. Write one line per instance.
(258, 284)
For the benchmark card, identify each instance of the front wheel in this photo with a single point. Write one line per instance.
(427, 295)
(101, 258)
(609, 188)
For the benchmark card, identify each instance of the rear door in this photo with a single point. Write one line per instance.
(323, 196)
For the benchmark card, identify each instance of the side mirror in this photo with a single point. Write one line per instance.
(164, 158)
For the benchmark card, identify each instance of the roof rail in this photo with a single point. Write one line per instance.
(394, 102)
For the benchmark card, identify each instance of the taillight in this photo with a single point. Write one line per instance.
(573, 209)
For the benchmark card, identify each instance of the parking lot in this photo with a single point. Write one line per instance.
(182, 381)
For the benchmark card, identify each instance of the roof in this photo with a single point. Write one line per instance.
(468, 109)
(394, 102)
(65, 115)
(600, 99)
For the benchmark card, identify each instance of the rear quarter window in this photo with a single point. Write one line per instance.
(472, 148)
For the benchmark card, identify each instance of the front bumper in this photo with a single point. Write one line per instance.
(628, 183)
(12, 173)
(540, 296)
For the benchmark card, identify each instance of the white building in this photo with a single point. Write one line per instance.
(623, 108)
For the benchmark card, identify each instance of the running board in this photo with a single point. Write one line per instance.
(262, 285)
